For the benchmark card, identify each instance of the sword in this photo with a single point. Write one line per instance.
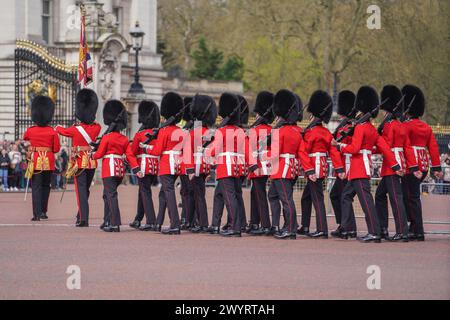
(26, 190)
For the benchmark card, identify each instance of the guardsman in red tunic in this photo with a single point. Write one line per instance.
(113, 148)
(149, 117)
(81, 166)
(426, 152)
(228, 149)
(188, 213)
(245, 114)
(286, 150)
(203, 110)
(393, 131)
(44, 143)
(259, 205)
(346, 110)
(318, 146)
(168, 147)
(364, 139)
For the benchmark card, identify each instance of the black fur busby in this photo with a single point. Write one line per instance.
(300, 106)
(414, 100)
(114, 111)
(321, 105)
(346, 102)
(171, 105)
(149, 114)
(391, 96)
(286, 106)
(264, 102)
(204, 109)
(367, 100)
(187, 112)
(245, 110)
(42, 110)
(227, 104)
(86, 105)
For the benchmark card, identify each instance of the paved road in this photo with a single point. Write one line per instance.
(132, 264)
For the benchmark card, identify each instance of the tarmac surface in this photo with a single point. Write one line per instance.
(34, 258)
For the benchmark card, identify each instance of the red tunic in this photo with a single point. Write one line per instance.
(365, 138)
(229, 150)
(194, 159)
(258, 135)
(168, 147)
(318, 146)
(287, 150)
(424, 145)
(113, 147)
(148, 164)
(346, 157)
(78, 140)
(394, 133)
(43, 137)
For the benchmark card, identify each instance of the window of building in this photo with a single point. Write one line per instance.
(46, 20)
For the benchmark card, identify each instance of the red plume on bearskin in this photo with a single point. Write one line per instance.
(42, 110)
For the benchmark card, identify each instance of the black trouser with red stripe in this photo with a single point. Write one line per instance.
(162, 208)
(83, 183)
(187, 198)
(259, 206)
(413, 205)
(40, 192)
(145, 200)
(282, 190)
(168, 187)
(198, 185)
(111, 200)
(313, 195)
(391, 185)
(229, 190)
(218, 206)
(360, 187)
(335, 197)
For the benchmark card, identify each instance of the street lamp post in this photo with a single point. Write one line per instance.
(137, 35)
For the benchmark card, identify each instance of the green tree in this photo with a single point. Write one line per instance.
(206, 62)
(232, 70)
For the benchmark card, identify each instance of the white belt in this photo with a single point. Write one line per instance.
(143, 158)
(366, 154)
(264, 167)
(228, 156)
(287, 162)
(111, 158)
(397, 155)
(348, 157)
(416, 149)
(317, 156)
(172, 155)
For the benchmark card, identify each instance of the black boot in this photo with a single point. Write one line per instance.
(336, 233)
(259, 231)
(226, 227)
(399, 237)
(35, 219)
(171, 231)
(199, 229)
(111, 229)
(44, 216)
(135, 224)
(318, 235)
(213, 230)
(147, 227)
(82, 224)
(286, 235)
(303, 231)
(157, 228)
(384, 234)
(369, 238)
(230, 233)
(420, 237)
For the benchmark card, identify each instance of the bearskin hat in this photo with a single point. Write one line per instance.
(367, 100)
(320, 105)
(391, 96)
(204, 109)
(86, 105)
(114, 111)
(286, 105)
(171, 105)
(42, 110)
(414, 100)
(227, 104)
(149, 114)
(187, 112)
(245, 110)
(264, 101)
(346, 102)
(300, 106)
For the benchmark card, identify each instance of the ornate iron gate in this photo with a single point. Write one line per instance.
(39, 73)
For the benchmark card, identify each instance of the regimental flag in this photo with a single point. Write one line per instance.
(85, 75)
